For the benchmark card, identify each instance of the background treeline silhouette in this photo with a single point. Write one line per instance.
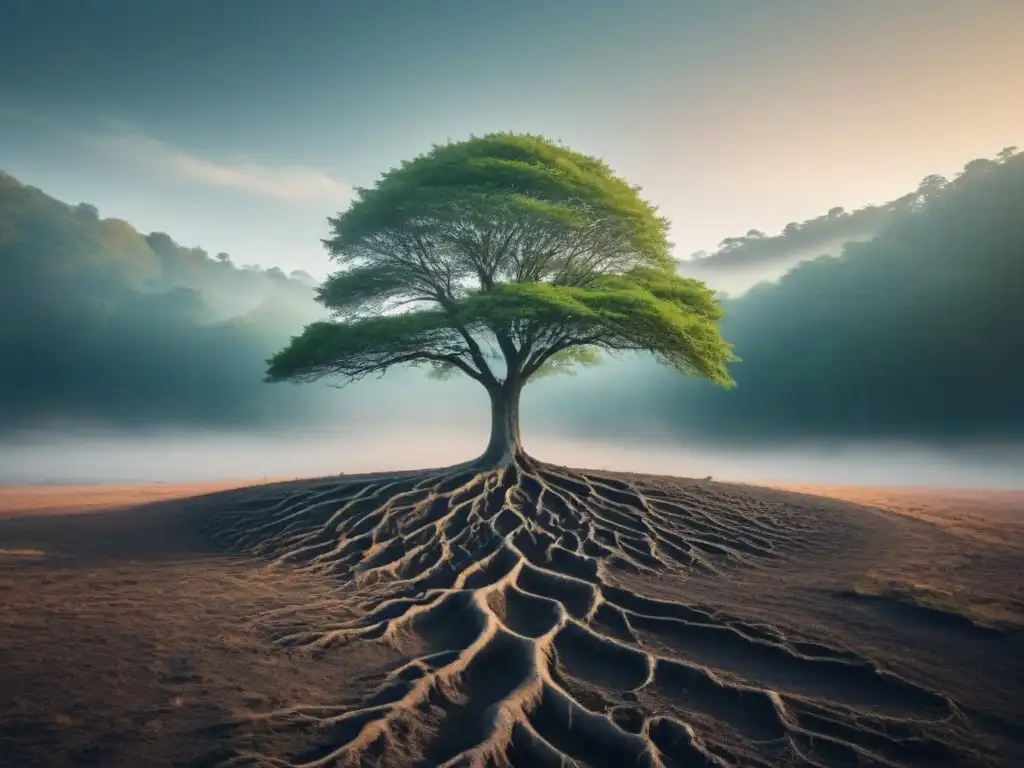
(915, 334)
(101, 325)
(837, 225)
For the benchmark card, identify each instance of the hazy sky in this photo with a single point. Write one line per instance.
(239, 126)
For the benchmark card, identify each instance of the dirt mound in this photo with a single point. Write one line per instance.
(519, 589)
(525, 616)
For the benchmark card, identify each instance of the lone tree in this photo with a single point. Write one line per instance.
(494, 258)
(497, 257)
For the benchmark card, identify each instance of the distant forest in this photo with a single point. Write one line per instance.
(914, 332)
(837, 225)
(102, 325)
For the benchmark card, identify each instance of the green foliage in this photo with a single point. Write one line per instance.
(516, 185)
(504, 248)
(564, 363)
(357, 348)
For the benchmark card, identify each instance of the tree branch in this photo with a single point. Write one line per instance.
(356, 372)
(541, 356)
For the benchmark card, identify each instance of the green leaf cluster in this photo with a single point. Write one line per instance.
(506, 248)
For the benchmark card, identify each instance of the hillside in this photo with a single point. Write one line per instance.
(101, 325)
(911, 335)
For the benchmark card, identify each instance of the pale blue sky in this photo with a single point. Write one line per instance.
(240, 126)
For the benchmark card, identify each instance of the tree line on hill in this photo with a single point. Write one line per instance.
(914, 334)
(101, 325)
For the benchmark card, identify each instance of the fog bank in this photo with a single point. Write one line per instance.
(197, 457)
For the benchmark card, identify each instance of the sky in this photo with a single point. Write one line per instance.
(240, 127)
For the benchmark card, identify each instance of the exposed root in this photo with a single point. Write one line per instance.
(527, 653)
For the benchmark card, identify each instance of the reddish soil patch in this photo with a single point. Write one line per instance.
(967, 560)
(19, 501)
(992, 517)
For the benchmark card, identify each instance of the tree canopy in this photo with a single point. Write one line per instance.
(506, 248)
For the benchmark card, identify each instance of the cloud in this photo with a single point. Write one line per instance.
(290, 183)
(121, 143)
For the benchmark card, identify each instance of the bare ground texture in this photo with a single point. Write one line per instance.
(525, 616)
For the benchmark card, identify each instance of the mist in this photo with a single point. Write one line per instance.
(743, 261)
(734, 280)
(187, 457)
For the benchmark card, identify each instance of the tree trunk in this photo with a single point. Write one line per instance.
(504, 445)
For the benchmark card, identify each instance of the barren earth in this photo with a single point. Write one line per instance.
(526, 616)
